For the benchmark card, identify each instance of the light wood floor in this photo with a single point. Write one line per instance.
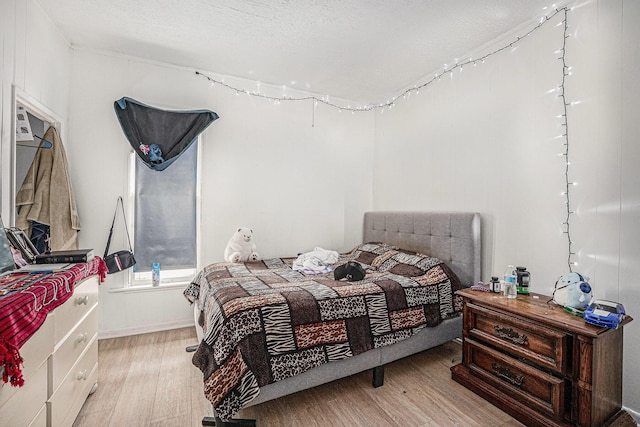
(148, 380)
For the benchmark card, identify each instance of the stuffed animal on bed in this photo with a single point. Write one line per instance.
(240, 247)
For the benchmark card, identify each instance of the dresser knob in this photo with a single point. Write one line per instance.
(82, 300)
(82, 375)
(81, 338)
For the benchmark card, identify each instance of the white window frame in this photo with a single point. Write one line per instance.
(168, 278)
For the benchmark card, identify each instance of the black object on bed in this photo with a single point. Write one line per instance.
(158, 136)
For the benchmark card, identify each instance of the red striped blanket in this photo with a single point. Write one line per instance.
(26, 300)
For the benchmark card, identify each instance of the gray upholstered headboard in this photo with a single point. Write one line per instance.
(453, 237)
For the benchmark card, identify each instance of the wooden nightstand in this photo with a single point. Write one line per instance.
(540, 364)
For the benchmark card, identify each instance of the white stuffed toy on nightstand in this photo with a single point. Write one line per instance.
(240, 247)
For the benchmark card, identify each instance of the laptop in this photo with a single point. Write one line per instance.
(8, 265)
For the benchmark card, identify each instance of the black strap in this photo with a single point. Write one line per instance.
(124, 218)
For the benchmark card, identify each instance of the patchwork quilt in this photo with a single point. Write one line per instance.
(264, 322)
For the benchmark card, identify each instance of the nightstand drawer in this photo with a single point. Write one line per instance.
(544, 346)
(535, 389)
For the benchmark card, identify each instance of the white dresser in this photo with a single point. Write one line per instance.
(60, 365)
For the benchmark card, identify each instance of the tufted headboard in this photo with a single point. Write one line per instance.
(453, 237)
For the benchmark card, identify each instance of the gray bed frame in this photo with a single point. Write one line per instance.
(453, 237)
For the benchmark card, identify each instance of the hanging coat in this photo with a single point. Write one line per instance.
(46, 196)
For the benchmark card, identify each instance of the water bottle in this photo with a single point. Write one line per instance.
(155, 274)
(509, 289)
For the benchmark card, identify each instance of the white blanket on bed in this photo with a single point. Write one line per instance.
(317, 261)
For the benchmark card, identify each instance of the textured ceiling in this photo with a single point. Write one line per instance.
(362, 50)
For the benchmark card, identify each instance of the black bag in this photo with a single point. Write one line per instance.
(120, 260)
(352, 271)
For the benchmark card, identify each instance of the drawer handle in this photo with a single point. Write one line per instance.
(511, 335)
(507, 374)
(82, 375)
(81, 338)
(82, 300)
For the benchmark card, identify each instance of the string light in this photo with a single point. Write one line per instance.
(416, 88)
(566, 71)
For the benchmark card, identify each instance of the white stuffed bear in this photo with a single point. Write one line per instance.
(240, 248)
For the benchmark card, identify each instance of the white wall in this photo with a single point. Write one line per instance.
(296, 179)
(485, 140)
(629, 232)
(482, 141)
(35, 59)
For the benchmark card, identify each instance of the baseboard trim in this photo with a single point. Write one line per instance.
(634, 414)
(117, 333)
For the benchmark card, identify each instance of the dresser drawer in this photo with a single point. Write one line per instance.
(74, 407)
(544, 346)
(85, 296)
(67, 400)
(23, 407)
(41, 419)
(70, 349)
(535, 389)
(34, 353)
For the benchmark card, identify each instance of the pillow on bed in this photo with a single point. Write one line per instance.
(367, 253)
(384, 257)
(408, 264)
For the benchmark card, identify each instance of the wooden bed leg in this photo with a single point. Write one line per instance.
(378, 376)
(217, 422)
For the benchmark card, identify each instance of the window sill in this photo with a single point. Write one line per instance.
(149, 288)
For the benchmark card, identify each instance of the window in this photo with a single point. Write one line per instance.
(165, 212)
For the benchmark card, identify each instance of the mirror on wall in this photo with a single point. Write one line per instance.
(29, 132)
(31, 121)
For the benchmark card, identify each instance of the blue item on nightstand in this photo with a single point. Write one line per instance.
(606, 314)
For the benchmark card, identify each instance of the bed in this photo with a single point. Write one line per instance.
(266, 330)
